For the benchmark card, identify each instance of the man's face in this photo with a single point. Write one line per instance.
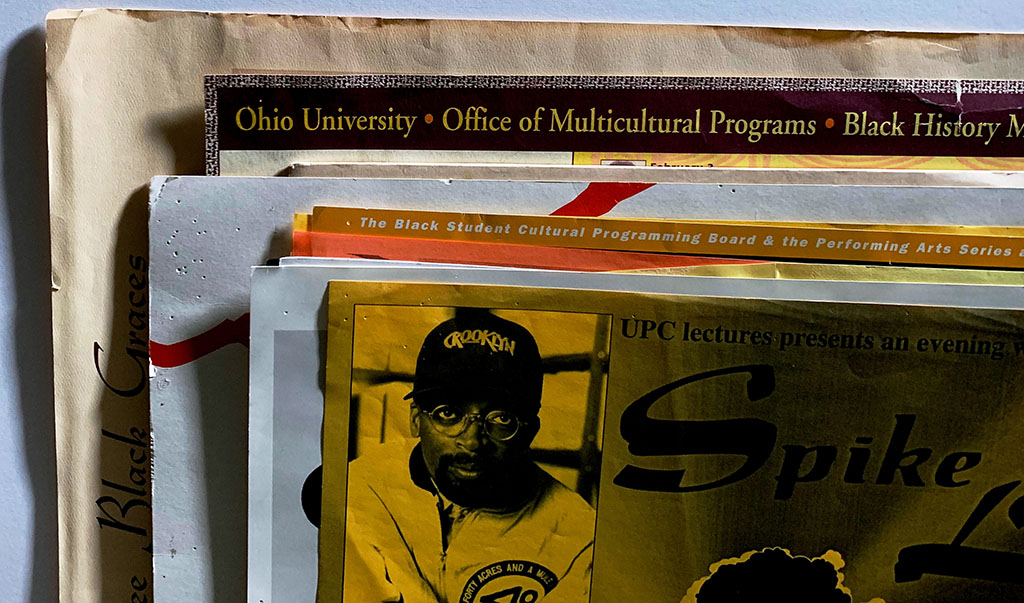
(469, 466)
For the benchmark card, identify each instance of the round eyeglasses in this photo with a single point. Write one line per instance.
(452, 421)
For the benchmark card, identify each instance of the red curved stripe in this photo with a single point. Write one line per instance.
(176, 354)
(600, 197)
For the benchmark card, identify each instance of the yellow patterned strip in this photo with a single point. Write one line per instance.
(978, 247)
(873, 162)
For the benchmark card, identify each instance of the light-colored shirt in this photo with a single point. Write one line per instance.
(539, 551)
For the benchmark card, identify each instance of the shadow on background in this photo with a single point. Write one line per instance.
(23, 106)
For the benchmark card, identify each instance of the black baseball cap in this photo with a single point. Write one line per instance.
(477, 354)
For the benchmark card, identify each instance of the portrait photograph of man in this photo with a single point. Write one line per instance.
(474, 455)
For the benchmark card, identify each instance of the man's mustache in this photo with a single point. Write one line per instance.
(462, 459)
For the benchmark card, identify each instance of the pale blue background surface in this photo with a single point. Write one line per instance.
(28, 557)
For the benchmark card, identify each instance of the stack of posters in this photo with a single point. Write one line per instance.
(603, 312)
(200, 282)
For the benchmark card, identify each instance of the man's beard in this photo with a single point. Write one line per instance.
(498, 486)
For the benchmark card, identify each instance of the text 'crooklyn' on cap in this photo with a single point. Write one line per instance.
(477, 355)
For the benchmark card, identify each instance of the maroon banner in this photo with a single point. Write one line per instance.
(928, 118)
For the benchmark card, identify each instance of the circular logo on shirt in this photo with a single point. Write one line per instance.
(509, 582)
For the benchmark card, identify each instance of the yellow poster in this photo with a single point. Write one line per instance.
(515, 445)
